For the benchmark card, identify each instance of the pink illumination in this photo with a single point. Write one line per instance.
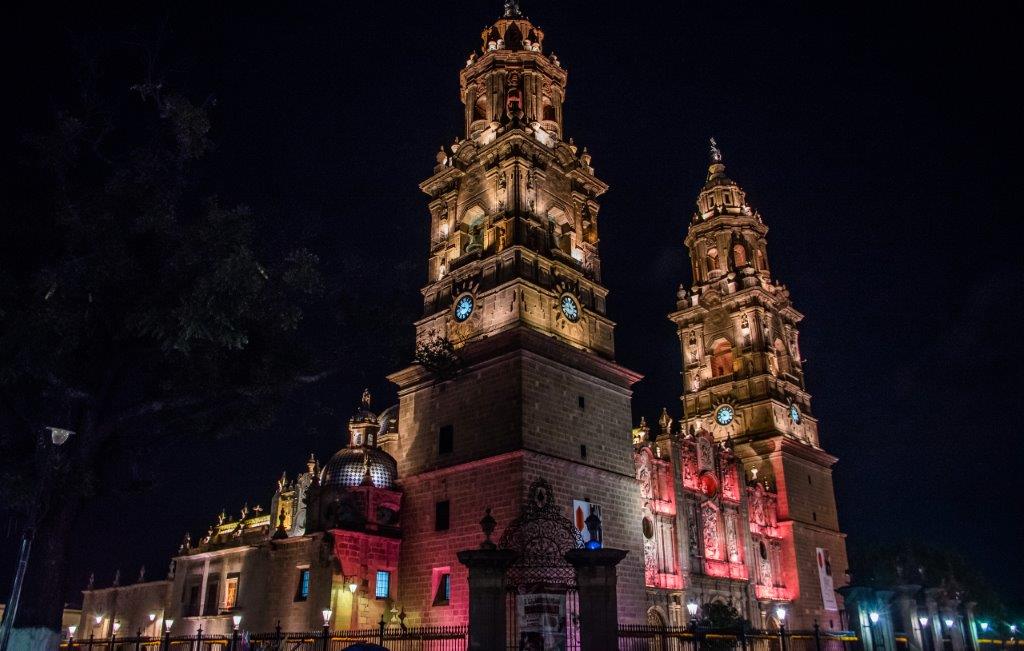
(724, 569)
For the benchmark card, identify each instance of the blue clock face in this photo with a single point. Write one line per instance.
(463, 307)
(570, 309)
(794, 414)
(724, 415)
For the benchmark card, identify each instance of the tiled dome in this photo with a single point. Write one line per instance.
(347, 468)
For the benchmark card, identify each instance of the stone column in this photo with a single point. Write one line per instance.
(487, 570)
(905, 604)
(596, 580)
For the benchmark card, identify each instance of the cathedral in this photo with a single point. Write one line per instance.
(515, 386)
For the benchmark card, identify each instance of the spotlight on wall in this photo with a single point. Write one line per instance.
(780, 612)
(691, 607)
(326, 612)
(873, 616)
(237, 619)
(923, 620)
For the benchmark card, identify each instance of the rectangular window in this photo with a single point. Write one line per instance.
(583, 452)
(210, 605)
(442, 514)
(193, 601)
(582, 402)
(302, 591)
(446, 439)
(443, 591)
(231, 591)
(383, 587)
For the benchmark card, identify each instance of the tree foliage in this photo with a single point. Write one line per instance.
(134, 309)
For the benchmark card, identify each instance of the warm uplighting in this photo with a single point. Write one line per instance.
(326, 612)
(691, 608)
(168, 623)
(949, 622)
(873, 616)
(117, 626)
(71, 630)
(152, 617)
(780, 612)
(237, 619)
(923, 620)
(984, 626)
(352, 587)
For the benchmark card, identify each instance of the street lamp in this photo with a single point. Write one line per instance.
(237, 619)
(326, 612)
(780, 612)
(922, 620)
(873, 616)
(71, 636)
(352, 587)
(168, 623)
(691, 607)
(1013, 629)
(948, 622)
(984, 626)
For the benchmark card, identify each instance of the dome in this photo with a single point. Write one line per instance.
(348, 466)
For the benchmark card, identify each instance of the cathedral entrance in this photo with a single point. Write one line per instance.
(542, 603)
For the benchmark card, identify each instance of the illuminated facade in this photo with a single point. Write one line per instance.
(516, 381)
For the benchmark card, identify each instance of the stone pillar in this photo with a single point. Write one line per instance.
(950, 610)
(487, 570)
(931, 596)
(860, 602)
(596, 581)
(905, 604)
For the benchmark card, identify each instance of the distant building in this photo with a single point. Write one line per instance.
(517, 380)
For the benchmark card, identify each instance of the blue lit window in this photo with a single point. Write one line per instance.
(383, 589)
(302, 593)
(444, 590)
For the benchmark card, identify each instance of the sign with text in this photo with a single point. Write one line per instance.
(541, 621)
(828, 591)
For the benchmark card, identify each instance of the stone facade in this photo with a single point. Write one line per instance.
(516, 382)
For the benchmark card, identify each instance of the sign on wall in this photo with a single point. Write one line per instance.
(828, 591)
(581, 510)
(541, 621)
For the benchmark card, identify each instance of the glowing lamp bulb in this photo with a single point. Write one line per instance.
(923, 620)
(873, 616)
(99, 619)
(152, 617)
(780, 612)
(949, 622)
(237, 619)
(326, 612)
(117, 626)
(72, 629)
(1013, 628)
(168, 623)
(984, 626)
(352, 587)
(691, 608)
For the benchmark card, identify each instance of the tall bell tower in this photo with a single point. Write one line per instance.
(515, 304)
(743, 381)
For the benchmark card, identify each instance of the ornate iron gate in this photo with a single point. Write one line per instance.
(542, 606)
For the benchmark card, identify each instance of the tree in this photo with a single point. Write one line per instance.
(134, 311)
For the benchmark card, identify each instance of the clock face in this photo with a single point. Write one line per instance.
(724, 415)
(463, 307)
(794, 414)
(570, 308)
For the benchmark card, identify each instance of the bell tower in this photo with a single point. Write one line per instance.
(743, 381)
(514, 303)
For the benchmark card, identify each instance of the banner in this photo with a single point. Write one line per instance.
(541, 622)
(828, 591)
(581, 509)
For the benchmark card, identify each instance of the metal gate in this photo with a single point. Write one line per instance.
(542, 604)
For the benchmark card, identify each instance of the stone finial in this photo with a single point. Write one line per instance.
(92, 581)
(282, 482)
(281, 532)
(142, 575)
(221, 517)
(512, 9)
(170, 569)
(186, 544)
(585, 158)
(367, 398)
(665, 421)
(245, 512)
(117, 577)
(487, 524)
(715, 153)
(311, 463)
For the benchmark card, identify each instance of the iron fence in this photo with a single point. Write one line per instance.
(652, 637)
(422, 638)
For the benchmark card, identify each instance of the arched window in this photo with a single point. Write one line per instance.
(780, 355)
(739, 254)
(721, 358)
(547, 110)
(513, 38)
(473, 229)
(712, 260)
(480, 108)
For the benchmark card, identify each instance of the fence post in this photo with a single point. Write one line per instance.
(199, 639)
(277, 633)
(381, 626)
(817, 636)
(138, 639)
(326, 633)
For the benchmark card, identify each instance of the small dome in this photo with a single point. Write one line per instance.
(348, 466)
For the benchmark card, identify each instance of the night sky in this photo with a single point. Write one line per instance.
(875, 139)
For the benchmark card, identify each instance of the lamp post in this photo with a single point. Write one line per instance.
(923, 621)
(115, 626)
(71, 636)
(58, 437)
(326, 612)
(168, 623)
(236, 620)
(780, 612)
(691, 608)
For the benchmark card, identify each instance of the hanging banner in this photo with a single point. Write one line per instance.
(541, 622)
(581, 510)
(828, 591)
